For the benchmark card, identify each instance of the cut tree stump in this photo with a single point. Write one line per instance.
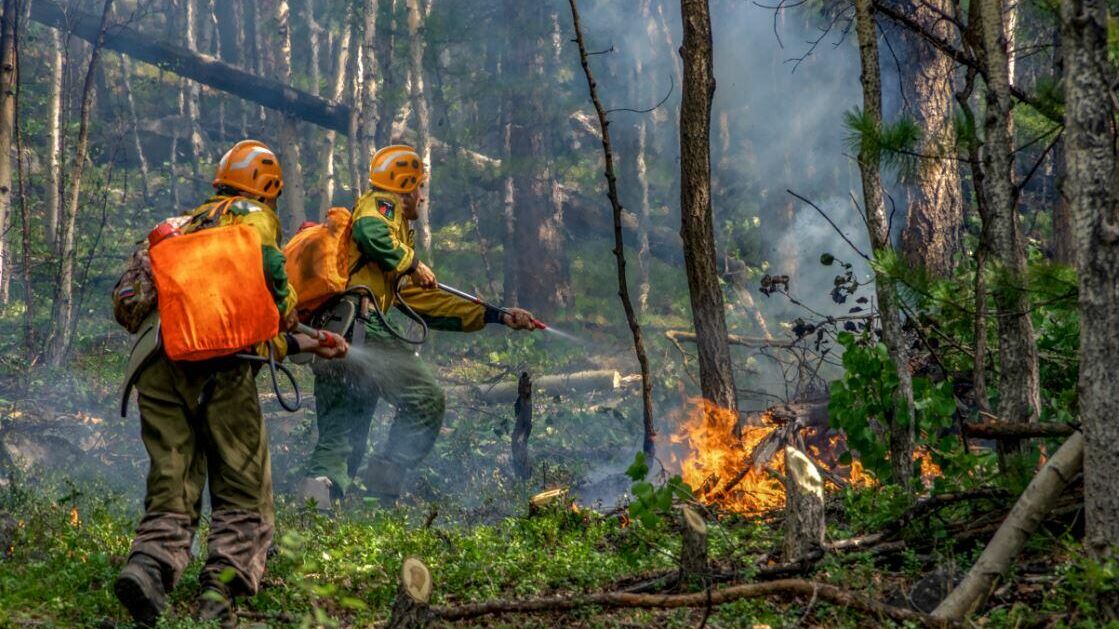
(804, 506)
(522, 465)
(695, 569)
(411, 608)
(579, 382)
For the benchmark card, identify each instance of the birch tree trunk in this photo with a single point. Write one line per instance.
(390, 95)
(7, 132)
(63, 318)
(901, 428)
(1019, 389)
(134, 122)
(337, 93)
(290, 158)
(1089, 116)
(193, 94)
(716, 374)
(54, 140)
(936, 211)
(416, 15)
(368, 116)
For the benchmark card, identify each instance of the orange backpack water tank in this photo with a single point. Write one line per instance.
(213, 297)
(318, 263)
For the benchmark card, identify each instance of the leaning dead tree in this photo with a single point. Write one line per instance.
(648, 444)
(1032, 507)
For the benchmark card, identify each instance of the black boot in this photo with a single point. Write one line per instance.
(384, 480)
(216, 603)
(139, 587)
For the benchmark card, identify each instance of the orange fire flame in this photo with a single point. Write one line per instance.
(717, 453)
(717, 450)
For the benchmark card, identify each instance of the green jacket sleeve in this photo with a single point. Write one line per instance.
(379, 233)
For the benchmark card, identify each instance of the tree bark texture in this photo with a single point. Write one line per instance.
(804, 506)
(901, 429)
(931, 237)
(649, 440)
(193, 92)
(716, 374)
(337, 93)
(1019, 388)
(295, 211)
(1090, 114)
(522, 427)
(416, 15)
(539, 242)
(390, 96)
(695, 566)
(54, 140)
(1032, 507)
(64, 305)
(367, 118)
(134, 123)
(7, 131)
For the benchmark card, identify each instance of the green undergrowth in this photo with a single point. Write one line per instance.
(63, 547)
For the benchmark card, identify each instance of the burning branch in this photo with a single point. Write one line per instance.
(619, 251)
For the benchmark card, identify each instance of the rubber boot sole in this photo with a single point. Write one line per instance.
(141, 603)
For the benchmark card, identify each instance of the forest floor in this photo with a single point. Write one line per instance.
(68, 510)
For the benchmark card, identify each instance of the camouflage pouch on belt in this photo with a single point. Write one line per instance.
(134, 295)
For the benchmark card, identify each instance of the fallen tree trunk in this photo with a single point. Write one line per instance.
(579, 382)
(784, 588)
(212, 72)
(1032, 506)
(680, 336)
(1017, 430)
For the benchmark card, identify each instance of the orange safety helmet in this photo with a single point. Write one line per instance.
(397, 168)
(252, 168)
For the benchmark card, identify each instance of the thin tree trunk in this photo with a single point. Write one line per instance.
(901, 428)
(54, 140)
(242, 58)
(134, 122)
(25, 224)
(716, 374)
(389, 94)
(8, 74)
(337, 93)
(933, 227)
(1028, 512)
(216, 48)
(416, 15)
(1090, 114)
(650, 433)
(1019, 389)
(368, 116)
(193, 95)
(64, 307)
(289, 153)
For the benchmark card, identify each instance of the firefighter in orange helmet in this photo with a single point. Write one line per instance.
(202, 419)
(384, 242)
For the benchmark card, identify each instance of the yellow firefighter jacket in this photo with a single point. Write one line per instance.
(382, 250)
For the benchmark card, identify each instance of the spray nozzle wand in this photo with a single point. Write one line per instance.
(538, 324)
(318, 335)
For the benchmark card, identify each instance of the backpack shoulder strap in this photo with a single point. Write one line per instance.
(209, 219)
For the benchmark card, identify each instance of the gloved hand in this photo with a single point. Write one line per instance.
(327, 345)
(423, 276)
(518, 319)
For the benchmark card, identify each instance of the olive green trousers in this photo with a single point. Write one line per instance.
(346, 396)
(203, 421)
